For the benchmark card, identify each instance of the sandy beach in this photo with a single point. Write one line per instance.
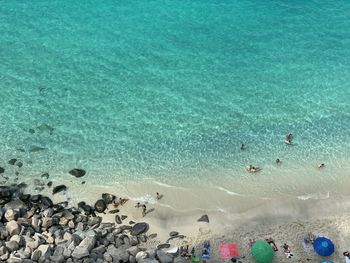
(285, 220)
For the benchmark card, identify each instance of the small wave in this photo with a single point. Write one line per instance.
(147, 199)
(315, 196)
(169, 186)
(227, 191)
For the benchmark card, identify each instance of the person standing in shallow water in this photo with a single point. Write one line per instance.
(278, 161)
(144, 210)
(242, 147)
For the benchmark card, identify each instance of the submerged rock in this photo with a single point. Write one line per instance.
(2, 170)
(13, 161)
(34, 149)
(59, 188)
(45, 175)
(77, 172)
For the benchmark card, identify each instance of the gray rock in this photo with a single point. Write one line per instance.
(100, 206)
(141, 255)
(161, 246)
(36, 255)
(180, 260)
(151, 252)
(138, 229)
(4, 257)
(48, 212)
(46, 250)
(164, 258)
(117, 219)
(11, 214)
(3, 250)
(132, 259)
(59, 188)
(173, 233)
(108, 198)
(94, 220)
(148, 260)
(57, 259)
(99, 250)
(13, 228)
(203, 218)
(152, 236)
(133, 251)
(47, 222)
(84, 247)
(16, 205)
(77, 172)
(11, 246)
(118, 254)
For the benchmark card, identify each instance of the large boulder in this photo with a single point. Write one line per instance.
(84, 247)
(100, 206)
(77, 172)
(164, 258)
(46, 250)
(138, 229)
(13, 228)
(108, 198)
(118, 254)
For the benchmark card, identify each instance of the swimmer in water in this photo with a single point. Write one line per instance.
(242, 147)
(278, 161)
(321, 165)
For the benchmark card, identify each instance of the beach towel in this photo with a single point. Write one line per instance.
(229, 250)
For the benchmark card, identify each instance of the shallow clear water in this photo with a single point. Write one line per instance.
(167, 90)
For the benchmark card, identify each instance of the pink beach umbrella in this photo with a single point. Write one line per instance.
(229, 250)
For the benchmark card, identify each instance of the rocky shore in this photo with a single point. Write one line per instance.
(34, 229)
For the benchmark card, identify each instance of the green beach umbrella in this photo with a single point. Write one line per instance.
(262, 251)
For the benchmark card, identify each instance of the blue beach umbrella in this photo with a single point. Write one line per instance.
(323, 246)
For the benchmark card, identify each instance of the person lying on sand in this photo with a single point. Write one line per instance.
(287, 251)
(251, 242)
(346, 255)
(272, 244)
(184, 252)
(121, 201)
(252, 169)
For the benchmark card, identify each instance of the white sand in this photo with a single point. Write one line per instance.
(285, 220)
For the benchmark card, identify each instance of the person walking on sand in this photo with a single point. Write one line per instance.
(138, 205)
(159, 196)
(144, 210)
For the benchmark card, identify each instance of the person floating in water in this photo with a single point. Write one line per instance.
(252, 169)
(321, 165)
(278, 161)
(289, 142)
(242, 146)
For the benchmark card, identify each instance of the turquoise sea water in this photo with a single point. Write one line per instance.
(170, 89)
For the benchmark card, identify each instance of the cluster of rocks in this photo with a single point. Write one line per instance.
(34, 229)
